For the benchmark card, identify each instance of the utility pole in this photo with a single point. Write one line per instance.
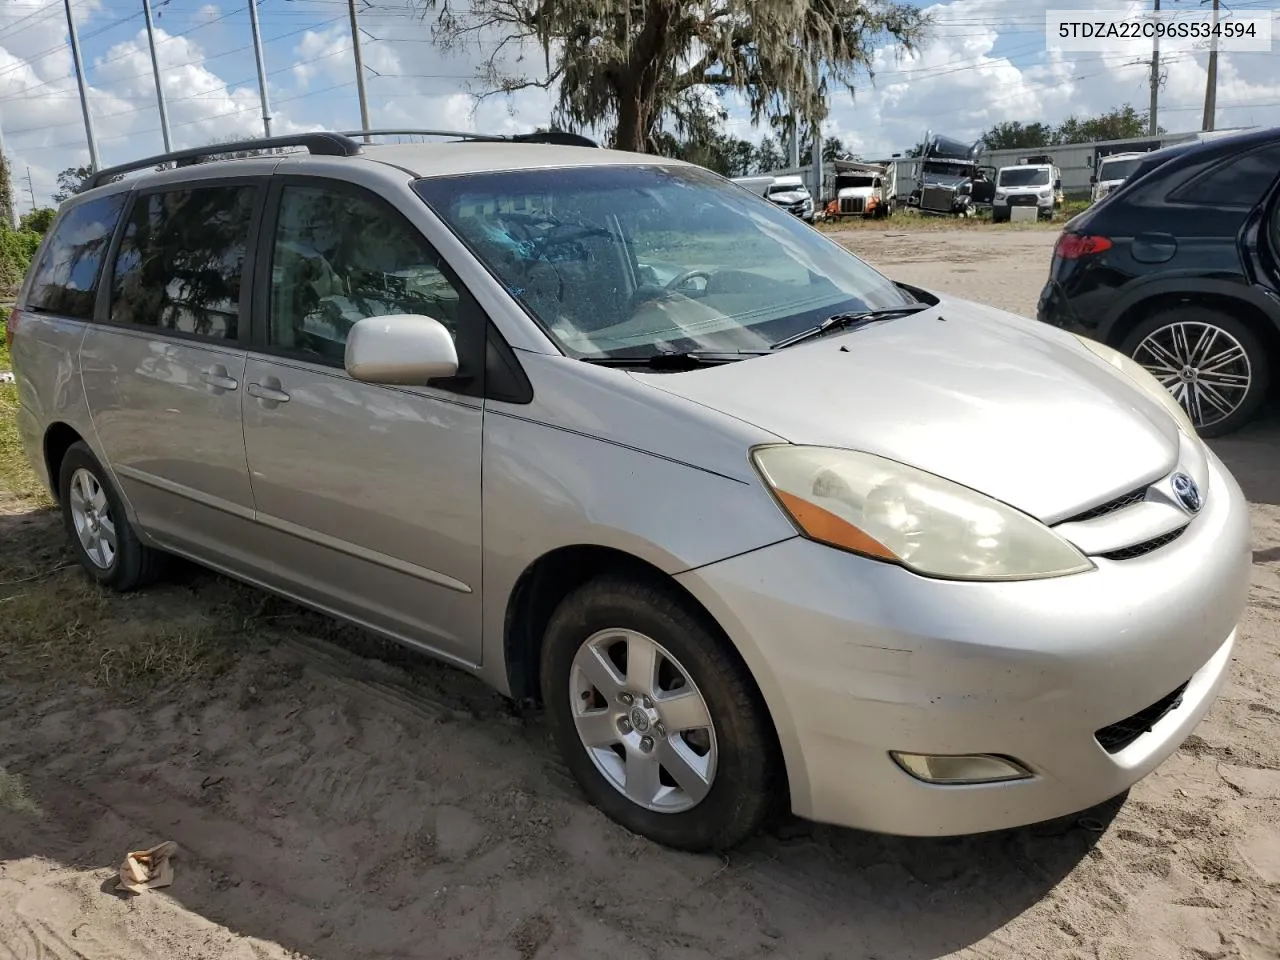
(262, 70)
(794, 145)
(1211, 84)
(355, 45)
(84, 93)
(31, 188)
(155, 70)
(1155, 77)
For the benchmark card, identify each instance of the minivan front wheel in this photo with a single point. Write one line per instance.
(658, 722)
(1210, 361)
(103, 539)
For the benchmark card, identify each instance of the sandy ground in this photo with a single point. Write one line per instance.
(336, 799)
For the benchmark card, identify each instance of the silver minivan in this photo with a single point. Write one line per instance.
(760, 528)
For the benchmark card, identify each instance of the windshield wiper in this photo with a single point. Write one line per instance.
(847, 320)
(688, 360)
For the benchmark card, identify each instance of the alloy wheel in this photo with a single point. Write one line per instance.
(1204, 366)
(91, 513)
(643, 721)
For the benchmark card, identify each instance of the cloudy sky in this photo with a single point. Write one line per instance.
(986, 61)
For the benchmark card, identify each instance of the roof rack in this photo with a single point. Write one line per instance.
(559, 137)
(322, 144)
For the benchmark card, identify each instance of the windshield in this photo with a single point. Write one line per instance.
(787, 188)
(844, 182)
(936, 168)
(1024, 177)
(1119, 169)
(630, 261)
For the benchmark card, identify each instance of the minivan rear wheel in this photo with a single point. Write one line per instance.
(1212, 362)
(103, 539)
(659, 723)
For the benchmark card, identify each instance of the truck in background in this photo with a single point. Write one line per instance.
(951, 181)
(863, 189)
(1034, 182)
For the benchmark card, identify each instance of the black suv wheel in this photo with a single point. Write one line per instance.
(1211, 361)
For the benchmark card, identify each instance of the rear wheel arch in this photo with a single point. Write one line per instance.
(1139, 310)
(58, 439)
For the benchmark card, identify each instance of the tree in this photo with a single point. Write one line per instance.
(38, 221)
(1015, 135)
(626, 65)
(6, 194)
(1122, 123)
(769, 156)
(70, 182)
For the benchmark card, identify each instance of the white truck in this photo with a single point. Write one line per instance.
(863, 189)
(1034, 185)
(1112, 171)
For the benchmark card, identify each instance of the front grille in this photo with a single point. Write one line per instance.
(851, 205)
(1023, 200)
(1111, 506)
(936, 198)
(1147, 546)
(1117, 736)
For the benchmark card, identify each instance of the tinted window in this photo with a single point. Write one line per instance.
(1024, 177)
(181, 260)
(66, 279)
(1238, 182)
(1118, 169)
(340, 257)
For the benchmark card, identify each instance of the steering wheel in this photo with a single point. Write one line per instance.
(681, 279)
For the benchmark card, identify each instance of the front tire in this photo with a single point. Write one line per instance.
(1212, 362)
(657, 717)
(104, 541)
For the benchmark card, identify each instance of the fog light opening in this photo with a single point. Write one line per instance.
(970, 768)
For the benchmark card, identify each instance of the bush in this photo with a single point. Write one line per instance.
(17, 247)
(38, 221)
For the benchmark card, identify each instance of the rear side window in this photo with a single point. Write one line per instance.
(1238, 182)
(181, 260)
(65, 281)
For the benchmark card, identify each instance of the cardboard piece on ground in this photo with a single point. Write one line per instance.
(147, 869)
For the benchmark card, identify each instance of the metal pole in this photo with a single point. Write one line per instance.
(31, 186)
(1211, 83)
(262, 70)
(794, 145)
(155, 70)
(1155, 78)
(355, 45)
(84, 93)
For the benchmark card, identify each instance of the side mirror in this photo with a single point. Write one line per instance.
(1057, 184)
(1092, 179)
(403, 349)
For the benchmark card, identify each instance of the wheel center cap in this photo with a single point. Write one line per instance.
(1188, 374)
(640, 719)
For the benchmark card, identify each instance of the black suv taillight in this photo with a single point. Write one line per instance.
(1075, 246)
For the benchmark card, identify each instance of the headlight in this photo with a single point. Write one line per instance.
(1144, 380)
(889, 511)
(999, 194)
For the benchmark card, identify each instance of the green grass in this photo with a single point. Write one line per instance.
(906, 219)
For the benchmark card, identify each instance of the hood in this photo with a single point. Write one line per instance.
(1025, 189)
(790, 196)
(1010, 407)
(858, 192)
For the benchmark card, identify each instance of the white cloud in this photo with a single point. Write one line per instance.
(985, 62)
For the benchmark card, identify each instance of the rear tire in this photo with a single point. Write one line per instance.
(657, 770)
(93, 514)
(1212, 362)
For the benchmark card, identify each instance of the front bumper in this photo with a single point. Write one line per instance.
(856, 658)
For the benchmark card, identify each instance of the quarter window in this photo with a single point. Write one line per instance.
(181, 261)
(1239, 182)
(340, 257)
(65, 281)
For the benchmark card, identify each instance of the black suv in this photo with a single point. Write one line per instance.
(1180, 269)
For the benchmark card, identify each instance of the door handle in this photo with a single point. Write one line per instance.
(268, 394)
(216, 377)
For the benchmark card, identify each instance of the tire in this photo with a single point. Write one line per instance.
(1240, 382)
(616, 614)
(93, 515)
